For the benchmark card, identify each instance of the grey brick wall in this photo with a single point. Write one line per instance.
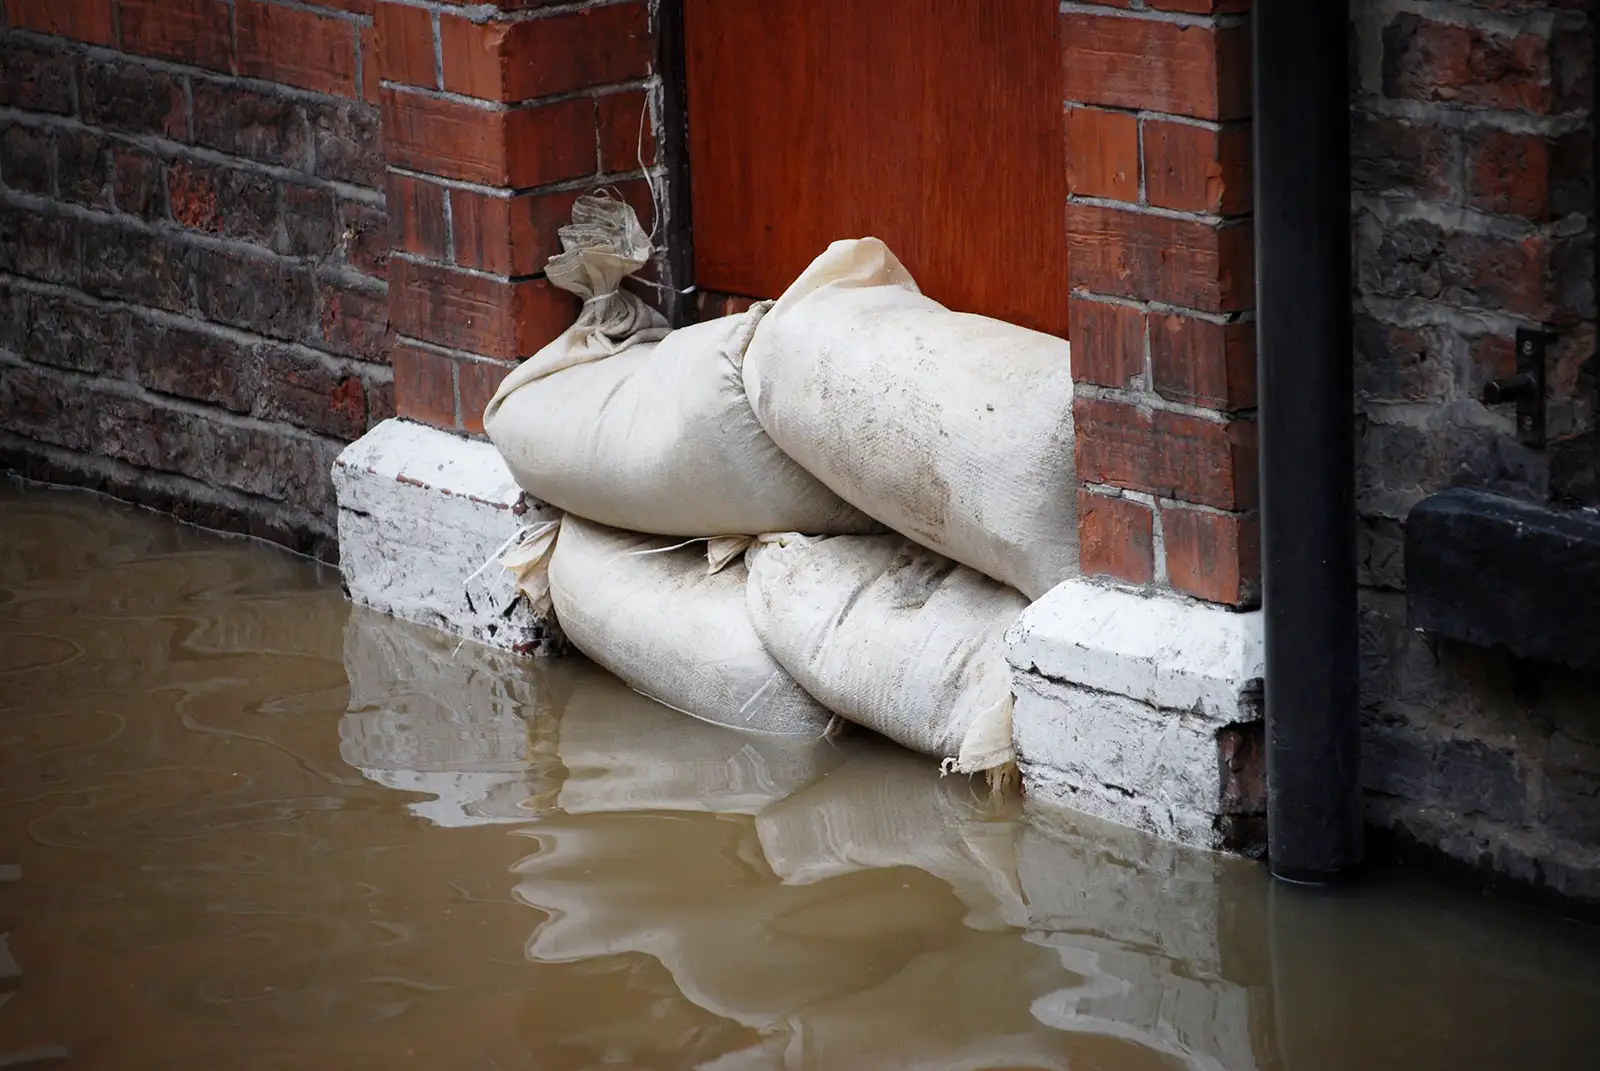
(1472, 217)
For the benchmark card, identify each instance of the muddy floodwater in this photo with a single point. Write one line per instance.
(245, 826)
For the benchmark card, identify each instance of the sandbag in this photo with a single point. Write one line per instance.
(651, 432)
(655, 617)
(952, 429)
(894, 637)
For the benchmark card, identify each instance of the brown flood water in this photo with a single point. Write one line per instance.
(243, 825)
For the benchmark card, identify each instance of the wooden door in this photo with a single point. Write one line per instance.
(932, 124)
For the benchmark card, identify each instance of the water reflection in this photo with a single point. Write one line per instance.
(470, 726)
(241, 824)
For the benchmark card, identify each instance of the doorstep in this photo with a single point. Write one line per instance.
(1143, 709)
(421, 513)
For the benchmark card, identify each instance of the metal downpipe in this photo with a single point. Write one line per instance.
(1307, 437)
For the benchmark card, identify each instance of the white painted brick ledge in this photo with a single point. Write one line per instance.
(419, 511)
(1120, 696)
(1157, 649)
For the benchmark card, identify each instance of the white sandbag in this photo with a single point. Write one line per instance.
(894, 637)
(646, 435)
(657, 619)
(953, 429)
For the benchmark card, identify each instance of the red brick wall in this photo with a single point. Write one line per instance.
(193, 247)
(1161, 259)
(495, 119)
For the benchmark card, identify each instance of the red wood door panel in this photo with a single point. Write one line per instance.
(932, 124)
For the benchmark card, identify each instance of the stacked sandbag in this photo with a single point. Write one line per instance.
(892, 636)
(629, 425)
(952, 429)
(654, 615)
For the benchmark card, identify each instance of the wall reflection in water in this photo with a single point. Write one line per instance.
(244, 825)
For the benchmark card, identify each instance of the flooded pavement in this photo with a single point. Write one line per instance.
(243, 825)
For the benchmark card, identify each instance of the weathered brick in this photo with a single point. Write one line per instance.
(252, 458)
(497, 147)
(35, 80)
(476, 313)
(38, 245)
(445, 138)
(310, 391)
(13, 317)
(1417, 259)
(1195, 169)
(83, 168)
(405, 45)
(371, 82)
(476, 382)
(232, 202)
(69, 334)
(1438, 61)
(354, 320)
(1202, 363)
(197, 32)
(416, 216)
(134, 265)
(189, 362)
(355, 7)
(1108, 343)
(132, 98)
(1135, 63)
(1405, 364)
(1213, 556)
(262, 294)
(1571, 796)
(243, 122)
(1380, 553)
(1397, 464)
(1489, 356)
(508, 235)
(364, 237)
(1115, 538)
(349, 142)
(627, 138)
(1167, 454)
(1128, 253)
(424, 386)
(380, 402)
(81, 20)
(1509, 173)
(27, 157)
(1572, 63)
(140, 184)
(298, 48)
(511, 61)
(1474, 777)
(1103, 154)
(310, 225)
(32, 404)
(1393, 155)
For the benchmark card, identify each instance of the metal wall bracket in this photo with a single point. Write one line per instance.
(1526, 388)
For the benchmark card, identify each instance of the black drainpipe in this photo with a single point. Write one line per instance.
(1307, 437)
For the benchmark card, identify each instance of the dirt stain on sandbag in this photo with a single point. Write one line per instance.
(914, 576)
(873, 452)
